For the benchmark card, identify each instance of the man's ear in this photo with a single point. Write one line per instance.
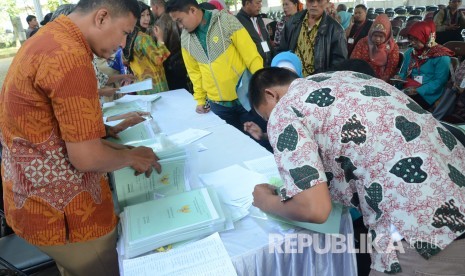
(192, 9)
(101, 17)
(271, 95)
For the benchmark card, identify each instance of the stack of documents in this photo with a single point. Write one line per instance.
(234, 185)
(136, 134)
(132, 189)
(171, 219)
(145, 98)
(204, 257)
(117, 108)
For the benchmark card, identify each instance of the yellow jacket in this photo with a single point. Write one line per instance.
(230, 51)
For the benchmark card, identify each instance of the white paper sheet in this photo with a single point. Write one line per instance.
(204, 257)
(188, 136)
(131, 98)
(265, 165)
(235, 184)
(137, 86)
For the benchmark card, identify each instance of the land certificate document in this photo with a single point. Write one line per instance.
(207, 256)
(131, 189)
(173, 214)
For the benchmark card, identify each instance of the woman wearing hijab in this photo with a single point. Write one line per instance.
(379, 49)
(146, 56)
(426, 65)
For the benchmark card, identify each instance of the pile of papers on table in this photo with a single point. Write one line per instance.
(234, 185)
(132, 189)
(171, 219)
(207, 256)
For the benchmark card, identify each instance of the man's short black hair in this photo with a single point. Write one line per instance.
(342, 7)
(29, 18)
(355, 65)
(266, 78)
(207, 6)
(181, 5)
(361, 6)
(117, 7)
(245, 1)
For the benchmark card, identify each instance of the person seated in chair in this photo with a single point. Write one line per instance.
(379, 49)
(426, 65)
(449, 23)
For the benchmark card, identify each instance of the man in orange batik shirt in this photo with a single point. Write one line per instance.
(54, 160)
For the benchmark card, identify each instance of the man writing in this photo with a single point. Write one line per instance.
(350, 138)
(56, 194)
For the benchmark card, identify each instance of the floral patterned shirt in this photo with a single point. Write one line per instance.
(378, 151)
(148, 63)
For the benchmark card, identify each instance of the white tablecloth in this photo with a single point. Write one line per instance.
(248, 243)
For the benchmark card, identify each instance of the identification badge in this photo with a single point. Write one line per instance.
(462, 84)
(350, 40)
(418, 79)
(265, 47)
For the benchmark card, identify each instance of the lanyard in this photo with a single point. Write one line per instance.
(359, 30)
(257, 28)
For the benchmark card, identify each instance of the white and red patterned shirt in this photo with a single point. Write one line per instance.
(378, 151)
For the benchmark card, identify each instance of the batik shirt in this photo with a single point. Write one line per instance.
(378, 151)
(49, 97)
(305, 49)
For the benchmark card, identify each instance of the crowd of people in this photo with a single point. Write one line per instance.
(365, 138)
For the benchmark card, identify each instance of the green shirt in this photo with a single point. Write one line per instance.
(202, 29)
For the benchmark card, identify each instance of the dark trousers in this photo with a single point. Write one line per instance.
(421, 102)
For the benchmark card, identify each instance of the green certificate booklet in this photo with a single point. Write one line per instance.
(136, 134)
(173, 214)
(121, 108)
(131, 189)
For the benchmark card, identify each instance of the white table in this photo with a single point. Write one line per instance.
(248, 244)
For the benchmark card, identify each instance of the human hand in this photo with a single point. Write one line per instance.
(254, 130)
(262, 195)
(128, 122)
(201, 109)
(452, 27)
(412, 91)
(158, 33)
(144, 160)
(128, 115)
(127, 79)
(107, 91)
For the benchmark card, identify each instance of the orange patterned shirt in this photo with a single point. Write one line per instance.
(50, 96)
